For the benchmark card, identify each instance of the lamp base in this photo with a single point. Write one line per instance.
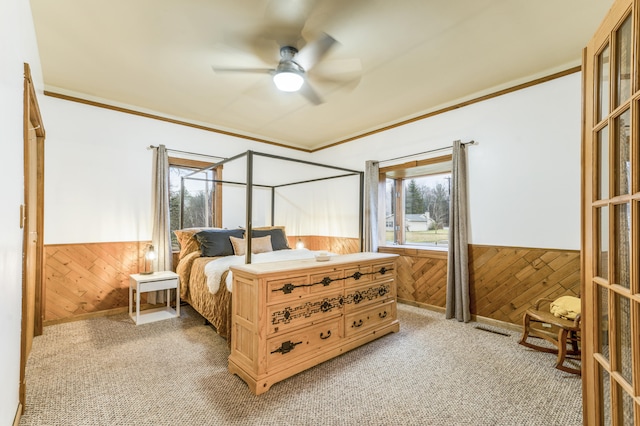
(146, 273)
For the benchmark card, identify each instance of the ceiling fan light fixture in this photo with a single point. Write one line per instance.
(288, 81)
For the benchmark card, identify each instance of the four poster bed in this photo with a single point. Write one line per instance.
(283, 310)
(255, 171)
(206, 281)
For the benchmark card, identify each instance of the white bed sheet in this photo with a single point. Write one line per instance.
(214, 269)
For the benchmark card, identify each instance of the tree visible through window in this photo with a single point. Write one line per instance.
(417, 200)
(199, 190)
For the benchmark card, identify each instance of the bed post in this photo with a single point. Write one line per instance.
(273, 204)
(181, 219)
(361, 220)
(249, 189)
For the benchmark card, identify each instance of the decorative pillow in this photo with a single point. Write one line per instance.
(278, 236)
(258, 245)
(187, 240)
(215, 242)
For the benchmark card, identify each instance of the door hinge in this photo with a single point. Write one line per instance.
(22, 218)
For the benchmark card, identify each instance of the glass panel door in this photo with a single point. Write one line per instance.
(624, 46)
(611, 225)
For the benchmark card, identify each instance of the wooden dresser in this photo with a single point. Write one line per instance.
(292, 315)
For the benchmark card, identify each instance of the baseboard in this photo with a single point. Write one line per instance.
(98, 314)
(476, 318)
(18, 416)
(497, 323)
(422, 305)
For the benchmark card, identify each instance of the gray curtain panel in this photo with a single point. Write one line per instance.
(161, 234)
(370, 232)
(457, 303)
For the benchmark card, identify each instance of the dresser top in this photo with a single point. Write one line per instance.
(306, 264)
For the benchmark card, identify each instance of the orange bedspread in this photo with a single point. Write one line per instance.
(215, 308)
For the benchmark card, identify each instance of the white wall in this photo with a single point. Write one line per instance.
(98, 178)
(17, 44)
(524, 175)
(98, 170)
(326, 207)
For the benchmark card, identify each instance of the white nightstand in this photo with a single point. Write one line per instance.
(162, 280)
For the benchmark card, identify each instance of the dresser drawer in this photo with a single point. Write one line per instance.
(383, 271)
(286, 316)
(290, 347)
(292, 288)
(357, 276)
(356, 297)
(370, 317)
(329, 280)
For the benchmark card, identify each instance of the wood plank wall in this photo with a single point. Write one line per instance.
(93, 277)
(86, 278)
(504, 281)
(333, 244)
(422, 275)
(89, 277)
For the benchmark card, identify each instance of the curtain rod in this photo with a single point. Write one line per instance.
(187, 152)
(427, 152)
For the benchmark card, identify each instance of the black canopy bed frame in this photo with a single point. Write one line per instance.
(213, 301)
(250, 183)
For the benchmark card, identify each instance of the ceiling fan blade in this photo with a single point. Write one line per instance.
(337, 67)
(245, 70)
(312, 96)
(314, 51)
(333, 84)
(285, 19)
(248, 46)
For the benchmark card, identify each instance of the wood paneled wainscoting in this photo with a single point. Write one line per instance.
(338, 245)
(88, 278)
(92, 278)
(504, 281)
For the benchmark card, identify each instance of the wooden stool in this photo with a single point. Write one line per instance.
(568, 333)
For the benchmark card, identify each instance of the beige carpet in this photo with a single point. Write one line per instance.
(107, 371)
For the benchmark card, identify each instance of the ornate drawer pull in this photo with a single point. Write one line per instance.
(356, 324)
(369, 294)
(326, 306)
(323, 337)
(289, 287)
(306, 309)
(382, 314)
(286, 347)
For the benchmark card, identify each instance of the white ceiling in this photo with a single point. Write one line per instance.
(415, 56)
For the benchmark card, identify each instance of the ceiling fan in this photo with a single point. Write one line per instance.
(282, 26)
(291, 72)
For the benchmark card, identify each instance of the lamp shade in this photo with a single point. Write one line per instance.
(149, 256)
(288, 81)
(151, 253)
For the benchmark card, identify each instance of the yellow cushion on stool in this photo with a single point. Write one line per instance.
(567, 307)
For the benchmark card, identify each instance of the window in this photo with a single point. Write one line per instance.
(200, 194)
(417, 199)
